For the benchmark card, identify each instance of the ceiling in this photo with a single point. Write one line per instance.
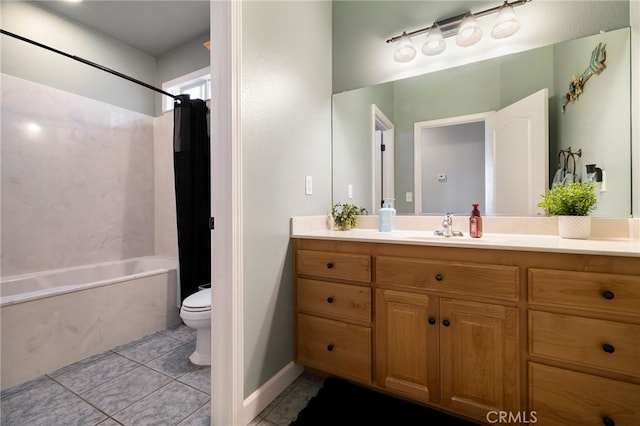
(152, 27)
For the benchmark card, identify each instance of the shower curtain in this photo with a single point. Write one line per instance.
(191, 154)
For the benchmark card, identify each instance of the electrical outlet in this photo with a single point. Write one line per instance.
(408, 197)
(308, 185)
(350, 191)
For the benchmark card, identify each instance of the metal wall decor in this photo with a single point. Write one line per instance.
(596, 66)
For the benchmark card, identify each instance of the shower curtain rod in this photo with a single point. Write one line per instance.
(93, 64)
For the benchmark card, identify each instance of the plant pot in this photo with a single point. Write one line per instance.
(575, 227)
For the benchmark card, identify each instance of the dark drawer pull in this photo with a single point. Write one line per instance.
(329, 299)
(608, 421)
(608, 294)
(608, 348)
(329, 265)
(330, 348)
(439, 277)
(432, 320)
(446, 323)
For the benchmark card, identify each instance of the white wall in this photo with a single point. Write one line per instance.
(286, 135)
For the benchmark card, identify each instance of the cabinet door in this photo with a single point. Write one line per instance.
(479, 357)
(406, 344)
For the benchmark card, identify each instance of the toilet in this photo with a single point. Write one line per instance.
(196, 313)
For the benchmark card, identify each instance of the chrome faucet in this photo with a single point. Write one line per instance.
(447, 228)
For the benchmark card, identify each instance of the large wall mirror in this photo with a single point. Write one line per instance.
(598, 125)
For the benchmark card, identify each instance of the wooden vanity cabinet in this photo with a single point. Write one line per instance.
(553, 338)
(332, 303)
(584, 346)
(435, 345)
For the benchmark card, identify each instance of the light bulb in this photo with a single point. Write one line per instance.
(507, 23)
(405, 51)
(435, 44)
(469, 33)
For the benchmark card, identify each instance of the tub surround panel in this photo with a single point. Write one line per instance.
(43, 335)
(77, 180)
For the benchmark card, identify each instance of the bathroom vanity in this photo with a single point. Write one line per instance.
(543, 329)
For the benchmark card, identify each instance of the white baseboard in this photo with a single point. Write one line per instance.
(261, 398)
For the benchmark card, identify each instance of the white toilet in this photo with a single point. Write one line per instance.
(196, 313)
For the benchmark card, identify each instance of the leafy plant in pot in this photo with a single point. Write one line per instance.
(345, 216)
(572, 204)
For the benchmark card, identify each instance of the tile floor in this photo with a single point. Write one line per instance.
(146, 382)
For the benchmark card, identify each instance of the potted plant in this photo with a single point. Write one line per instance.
(345, 216)
(572, 204)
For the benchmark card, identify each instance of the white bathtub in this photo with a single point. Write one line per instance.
(54, 318)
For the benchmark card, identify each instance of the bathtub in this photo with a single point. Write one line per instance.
(53, 318)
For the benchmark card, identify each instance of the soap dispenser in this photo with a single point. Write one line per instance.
(475, 222)
(385, 215)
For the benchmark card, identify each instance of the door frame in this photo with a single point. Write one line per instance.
(443, 122)
(380, 122)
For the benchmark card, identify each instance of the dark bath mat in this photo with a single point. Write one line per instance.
(339, 403)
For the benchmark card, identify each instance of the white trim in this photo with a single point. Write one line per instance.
(227, 366)
(262, 397)
(379, 119)
(417, 151)
(179, 81)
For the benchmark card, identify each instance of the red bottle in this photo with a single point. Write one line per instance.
(475, 222)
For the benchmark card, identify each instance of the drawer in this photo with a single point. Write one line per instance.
(608, 293)
(341, 301)
(464, 278)
(611, 346)
(562, 397)
(346, 266)
(334, 347)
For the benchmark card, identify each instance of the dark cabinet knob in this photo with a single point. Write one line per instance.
(329, 299)
(608, 294)
(446, 323)
(432, 320)
(439, 277)
(330, 348)
(608, 348)
(329, 265)
(608, 421)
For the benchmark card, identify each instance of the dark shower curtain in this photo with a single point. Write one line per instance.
(191, 153)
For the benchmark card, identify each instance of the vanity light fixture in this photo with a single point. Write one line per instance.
(405, 51)
(435, 44)
(465, 27)
(469, 33)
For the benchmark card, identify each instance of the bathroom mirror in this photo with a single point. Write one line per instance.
(598, 124)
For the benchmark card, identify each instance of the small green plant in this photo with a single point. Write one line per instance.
(575, 199)
(345, 215)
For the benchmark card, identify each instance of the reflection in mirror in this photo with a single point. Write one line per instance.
(599, 123)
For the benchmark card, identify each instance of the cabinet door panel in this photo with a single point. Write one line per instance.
(406, 344)
(479, 357)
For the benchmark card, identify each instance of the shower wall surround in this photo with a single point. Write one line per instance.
(77, 180)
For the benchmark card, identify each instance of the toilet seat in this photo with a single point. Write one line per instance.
(198, 302)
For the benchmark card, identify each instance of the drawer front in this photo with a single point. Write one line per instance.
(483, 280)
(353, 267)
(341, 301)
(612, 346)
(334, 347)
(562, 397)
(609, 293)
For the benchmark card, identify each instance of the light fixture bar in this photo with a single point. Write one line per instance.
(449, 26)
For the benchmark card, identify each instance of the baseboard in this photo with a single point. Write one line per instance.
(261, 398)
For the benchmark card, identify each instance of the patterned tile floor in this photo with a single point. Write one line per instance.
(146, 382)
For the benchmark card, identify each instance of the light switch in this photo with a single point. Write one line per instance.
(350, 191)
(408, 197)
(308, 185)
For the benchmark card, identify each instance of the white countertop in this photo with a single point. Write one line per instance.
(498, 241)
